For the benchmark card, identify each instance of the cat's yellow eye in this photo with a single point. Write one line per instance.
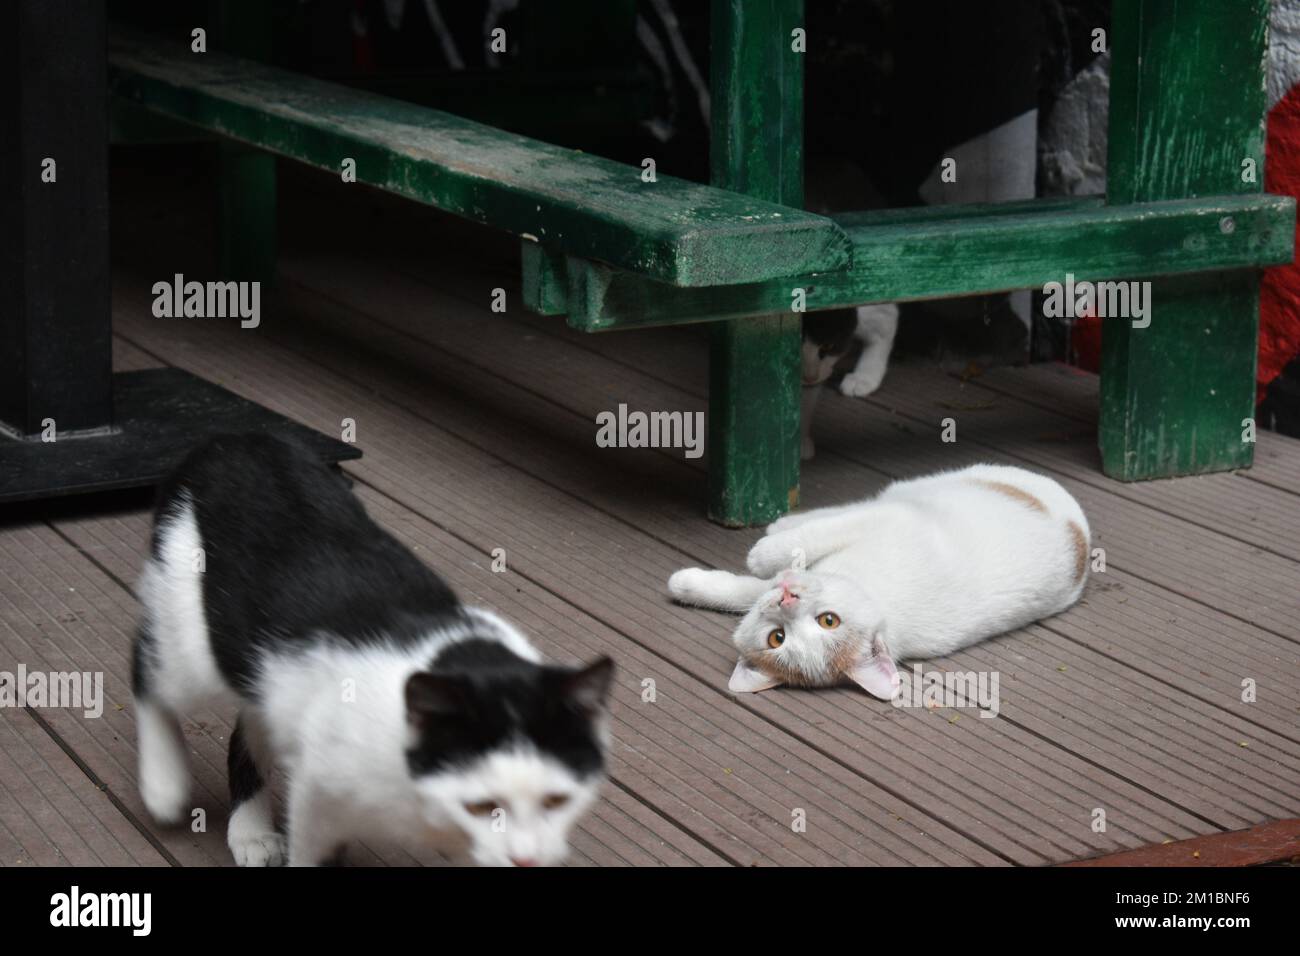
(483, 808)
(776, 638)
(829, 620)
(554, 801)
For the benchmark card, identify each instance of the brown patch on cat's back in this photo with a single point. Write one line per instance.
(1080, 549)
(1014, 493)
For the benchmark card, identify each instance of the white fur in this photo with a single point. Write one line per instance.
(925, 568)
(333, 718)
(164, 768)
(876, 328)
(252, 836)
(171, 592)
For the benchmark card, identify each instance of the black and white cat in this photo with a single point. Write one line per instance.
(395, 711)
(827, 337)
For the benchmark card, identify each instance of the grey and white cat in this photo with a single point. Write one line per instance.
(827, 338)
(926, 567)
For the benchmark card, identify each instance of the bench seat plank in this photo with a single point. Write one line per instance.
(900, 255)
(674, 231)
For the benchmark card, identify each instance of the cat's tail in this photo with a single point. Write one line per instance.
(719, 590)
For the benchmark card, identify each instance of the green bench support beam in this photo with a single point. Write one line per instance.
(937, 251)
(247, 238)
(756, 147)
(1187, 112)
(671, 230)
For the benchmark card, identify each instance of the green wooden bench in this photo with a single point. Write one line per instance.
(611, 251)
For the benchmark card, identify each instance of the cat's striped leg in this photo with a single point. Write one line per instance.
(251, 832)
(720, 590)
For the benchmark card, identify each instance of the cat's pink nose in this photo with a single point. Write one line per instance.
(787, 596)
(523, 861)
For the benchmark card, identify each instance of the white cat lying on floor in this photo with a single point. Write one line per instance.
(925, 568)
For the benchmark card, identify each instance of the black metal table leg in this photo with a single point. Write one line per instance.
(67, 424)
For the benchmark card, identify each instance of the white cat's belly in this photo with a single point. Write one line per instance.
(962, 566)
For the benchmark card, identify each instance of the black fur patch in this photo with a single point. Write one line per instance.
(140, 655)
(479, 696)
(832, 330)
(245, 779)
(289, 552)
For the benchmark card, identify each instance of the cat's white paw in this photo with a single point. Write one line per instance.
(688, 584)
(166, 797)
(252, 837)
(772, 554)
(807, 449)
(856, 385)
(258, 849)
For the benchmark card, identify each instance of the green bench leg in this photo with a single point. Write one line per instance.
(246, 233)
(757, 149)
(1186, 111)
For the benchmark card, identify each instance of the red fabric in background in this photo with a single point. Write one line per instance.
(1279, 295)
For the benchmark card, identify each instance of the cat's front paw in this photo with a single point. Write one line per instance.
(859, 385)
(807, 449)
(166, 797)
(689, 584)
(772, 554)
(258, 849)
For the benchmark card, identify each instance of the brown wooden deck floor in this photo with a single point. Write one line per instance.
(478, 432)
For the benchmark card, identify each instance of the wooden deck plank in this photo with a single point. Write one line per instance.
(1187, 503)
(1267, 519)
(408, 429)
(1107, 780)
(62, 817)
(864, 838)
(58, 612)
(533, 357)
(397, 519)
(525, 397)
(1075, 393)
(1276, 842)
(474, 561)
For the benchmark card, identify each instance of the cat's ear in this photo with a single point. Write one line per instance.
(435, 695)
(874, 670)
(749, 680)
(587, 688)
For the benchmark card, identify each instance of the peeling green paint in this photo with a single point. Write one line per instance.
(1187, 106)
(984, 249)
(757, 147)
(675, 231)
